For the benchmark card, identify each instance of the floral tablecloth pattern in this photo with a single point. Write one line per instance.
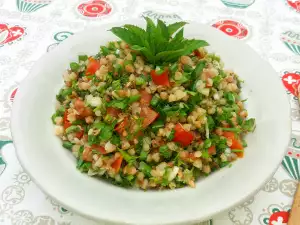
(31, 28)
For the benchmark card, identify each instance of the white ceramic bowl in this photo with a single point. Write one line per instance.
(53, 168)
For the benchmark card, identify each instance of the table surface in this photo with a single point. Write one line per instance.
(30, 28)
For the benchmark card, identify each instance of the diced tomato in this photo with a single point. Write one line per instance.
(120, 127)
(113, 111)
(236, 143)
(229, 135)
(116, 165)
(66, 121)
(160, 79)
(145, 97)
(99, 149)
(92, 66)
(148, 116)
(212, 150)
(87, 154)
(87, 112)
(79, 134)
(182, 136)
(198, 54)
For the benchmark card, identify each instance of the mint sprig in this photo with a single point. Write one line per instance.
(159, 43)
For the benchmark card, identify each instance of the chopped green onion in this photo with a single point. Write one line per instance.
(237, 150)
(116, 85)
(165, 152)
(140, 81)
(82, 58)
(187, 68)
(67, 145)
(143, 155)
(249, 125)
(145, 168)
(111, 46)
(192, 93)
(205, 154)
(72, 129)
(118, 68)
(198, 70)
(229, 96)
(128, 158)
(244, 143)
(223, 164)
(104, 50)
(133, 55)
(155, 100)
(174, 67)
(157, 124)
(128, 62)
(78, 122)
(116, 140)
(134, 98)
(236, 130)
(171, 135)
(207, 143)
(74, 66)
(66, 92)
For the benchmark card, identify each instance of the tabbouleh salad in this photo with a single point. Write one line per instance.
(153, 110)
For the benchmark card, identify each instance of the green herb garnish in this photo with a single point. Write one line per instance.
(157, 43)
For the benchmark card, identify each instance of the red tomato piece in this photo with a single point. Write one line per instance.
(66, 121)
(160, 79)
(182, 136)
(212, 150)
(145, 97)
(116, 165)
(79, 134)
(99, 149)
(198, 54)
(113, 111)
(87, 112)
(148, 115)
(229, 135)
(236, 143)
(87, 154)
(92, 66)
(120, 127)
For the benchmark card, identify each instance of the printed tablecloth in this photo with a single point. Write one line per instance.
(30, 28)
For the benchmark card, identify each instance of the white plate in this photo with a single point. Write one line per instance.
(53, 168)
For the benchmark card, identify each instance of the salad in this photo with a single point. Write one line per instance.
(152, 110)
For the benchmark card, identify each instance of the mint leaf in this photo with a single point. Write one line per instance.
(179, 35)
(163, 29)
(123, 34)
(156, 43)
(139, 33)
(172, 28)
(145, 51)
